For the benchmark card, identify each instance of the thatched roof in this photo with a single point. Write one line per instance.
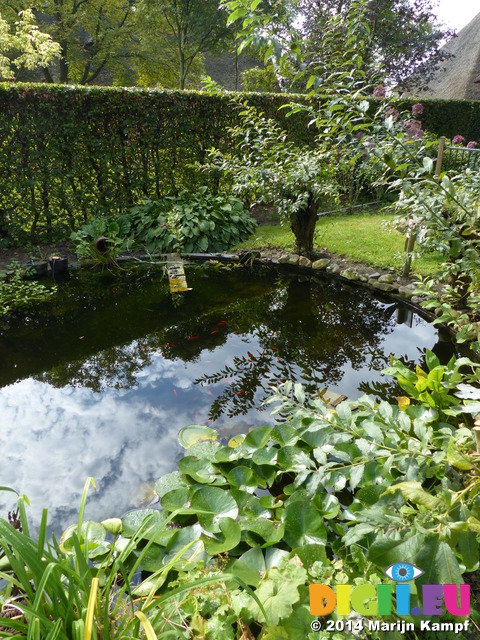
(460, 76)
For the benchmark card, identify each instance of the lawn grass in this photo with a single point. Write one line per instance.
(360, 237)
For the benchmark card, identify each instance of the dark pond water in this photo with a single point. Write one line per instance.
(101, 385)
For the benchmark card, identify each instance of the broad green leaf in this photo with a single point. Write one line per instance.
(228, 538)
(310, 553)
(266, 456)
(194, 434)
(177, 500)
(439, 563)
(242, 476)
(457, 459)
(303, 525)
(198, 469)
(168, 482)
(414, 492)
(468, 543)
(284, 434)
(386, 549)
(257, 438)
(267, 532)
(432, 360)
(278, 592)
(356, 475)
(250, 567)
(208, 501)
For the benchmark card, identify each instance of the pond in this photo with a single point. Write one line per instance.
(100, 383)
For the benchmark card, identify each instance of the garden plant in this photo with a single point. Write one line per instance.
(326, 496)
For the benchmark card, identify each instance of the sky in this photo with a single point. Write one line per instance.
(457, 13)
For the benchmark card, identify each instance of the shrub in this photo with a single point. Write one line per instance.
(188, 222)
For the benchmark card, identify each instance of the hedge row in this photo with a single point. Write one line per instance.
(67, 153)
(448, 117)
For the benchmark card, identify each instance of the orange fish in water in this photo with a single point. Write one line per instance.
(193, 338)
(239, 393)
(214, 331)
(223, 322)
(175, 391)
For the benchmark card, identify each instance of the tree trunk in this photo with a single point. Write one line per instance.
(182, 70)
(303, 227)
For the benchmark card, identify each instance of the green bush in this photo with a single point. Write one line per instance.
(71, 153)
(17, 293)
(189, 222)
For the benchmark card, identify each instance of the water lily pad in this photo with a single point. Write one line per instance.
(303, 525)
(195, 433)
(155, 529)
(213, 501)
(242, 476)
(250, 567)
(228, 537)
(177, 500)
(168, 482)
(257, 438)
(93, 534)
(198, 469)
(267, 455)
(236, 441)
(261, 531)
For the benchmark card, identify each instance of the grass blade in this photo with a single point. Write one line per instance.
(92, 602)
(147, 627)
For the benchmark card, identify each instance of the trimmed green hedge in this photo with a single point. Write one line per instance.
(68, 153)
(448, 117)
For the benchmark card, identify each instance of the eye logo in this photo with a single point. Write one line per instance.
(403, 572)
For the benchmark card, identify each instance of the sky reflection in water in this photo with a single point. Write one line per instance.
(58, 428)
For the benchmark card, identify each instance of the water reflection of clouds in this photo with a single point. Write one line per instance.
(53, 438)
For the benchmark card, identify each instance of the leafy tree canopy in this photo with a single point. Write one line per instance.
(401, 36)
(26, 48)
(193, 26)
(405, 35)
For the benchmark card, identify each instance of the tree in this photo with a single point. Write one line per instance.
(405, 36)
(27, 48)
(157, 61)
(94, 36)
(194, 26)
(263, 166)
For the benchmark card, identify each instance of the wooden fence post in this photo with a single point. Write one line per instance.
(441, 149)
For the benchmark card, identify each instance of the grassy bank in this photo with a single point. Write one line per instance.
(361, 237)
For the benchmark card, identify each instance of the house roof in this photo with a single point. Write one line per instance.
(459, 77)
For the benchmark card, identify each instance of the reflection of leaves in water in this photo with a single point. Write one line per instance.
(308, 330)
(248, 375)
